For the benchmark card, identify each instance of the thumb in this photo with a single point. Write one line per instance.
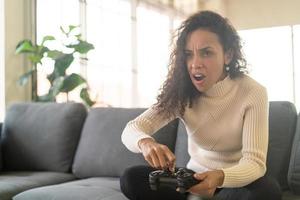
(200, 176)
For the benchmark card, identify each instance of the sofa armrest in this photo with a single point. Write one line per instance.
(294, 173)
(282, 123)
(0, 146)
(1, 128)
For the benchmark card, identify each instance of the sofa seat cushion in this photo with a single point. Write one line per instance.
(101, 188)
(12, 183)
(41, 136)
(288, 195)
(100, 151)
(181, 148)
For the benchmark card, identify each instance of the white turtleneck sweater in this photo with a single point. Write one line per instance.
(227, 129)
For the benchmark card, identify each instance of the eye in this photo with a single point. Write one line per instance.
(206, 53)
(188, 54)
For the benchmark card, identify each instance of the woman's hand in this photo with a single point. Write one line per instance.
(210, 180)
(157, 155)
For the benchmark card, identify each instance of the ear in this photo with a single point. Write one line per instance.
(228, 56)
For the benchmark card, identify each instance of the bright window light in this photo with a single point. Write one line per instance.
(129, 62)
(111, 73)
(66, 13)
(153, 53)
(269, 55)
(296, 36)
(109, 67)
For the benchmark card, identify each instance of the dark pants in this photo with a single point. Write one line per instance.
(135, 186)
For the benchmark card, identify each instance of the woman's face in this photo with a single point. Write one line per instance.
(205, 59)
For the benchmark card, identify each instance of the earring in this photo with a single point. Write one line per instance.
(227, 68)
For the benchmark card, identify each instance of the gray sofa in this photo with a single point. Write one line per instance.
(55, 151)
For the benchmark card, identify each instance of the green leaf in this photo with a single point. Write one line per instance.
(25, 46)
(62, 30)
(60, 66)
(71, 82)
(60, 82)
(38, 55)
(43, 50)
(46, 98)
(35, 58)
(25, 78)
(62, 63)
(47, 38)
(51, 77)
(54, 54)
(56, 86)
(78, 36)
(71, 27)
(84, 95)
(82, 47)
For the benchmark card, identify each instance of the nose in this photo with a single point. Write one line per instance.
(196, 65)
(196, 62)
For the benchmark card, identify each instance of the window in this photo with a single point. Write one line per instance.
(2, 62)
(125, 70)
(66, 13)
(269, 52)
(296, 37)
(129, 62)
(153, 53)
(109, 71)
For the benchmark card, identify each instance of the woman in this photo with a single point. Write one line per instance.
(225, 113)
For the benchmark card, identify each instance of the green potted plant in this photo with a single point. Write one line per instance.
(72, 48)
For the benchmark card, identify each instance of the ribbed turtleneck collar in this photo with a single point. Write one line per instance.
(221, 88)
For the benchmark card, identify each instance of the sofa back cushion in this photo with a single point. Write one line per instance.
(294, 169)
(41, 136)
(282, 122)
(101, 152)
(181, 147)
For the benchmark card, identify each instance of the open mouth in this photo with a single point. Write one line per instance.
(199, 77)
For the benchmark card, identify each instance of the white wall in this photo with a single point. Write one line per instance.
(248, 14)
(2, 60)
(218, 6)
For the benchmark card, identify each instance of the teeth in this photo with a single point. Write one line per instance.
(199, 77)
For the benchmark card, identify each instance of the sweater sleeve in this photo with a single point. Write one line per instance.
(252, 165)
(144, 126)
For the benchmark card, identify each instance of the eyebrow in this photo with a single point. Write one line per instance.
(202, 49)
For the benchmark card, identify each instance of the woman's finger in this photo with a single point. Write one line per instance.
(155, 160)
(200, 176)
(170, 159)
(149, 160)
(162, 158)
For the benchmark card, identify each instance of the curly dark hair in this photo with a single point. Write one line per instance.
(178, 91)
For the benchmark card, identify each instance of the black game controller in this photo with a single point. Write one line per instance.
(182, 179)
